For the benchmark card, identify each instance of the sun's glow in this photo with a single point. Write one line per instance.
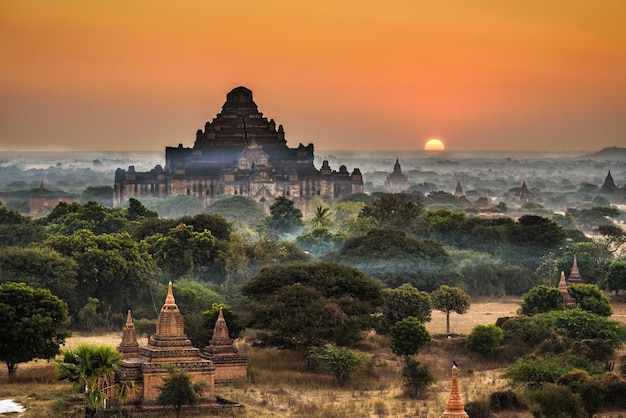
(434, 145)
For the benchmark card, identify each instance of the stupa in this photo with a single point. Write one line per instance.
(454, 405)
(229, 364)
(568, 300)
(574, 275)
(396, 181)
(168, 347)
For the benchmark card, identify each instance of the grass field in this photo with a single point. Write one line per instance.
(280, 385)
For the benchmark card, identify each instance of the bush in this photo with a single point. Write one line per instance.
(478, 408)
(556, 402)
(416, 377)
(485, 339)
(504, 400)
(342, 362)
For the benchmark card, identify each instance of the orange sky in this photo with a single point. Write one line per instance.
(479, 74)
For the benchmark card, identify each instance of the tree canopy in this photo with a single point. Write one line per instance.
(30, 321)
(450, 299)
(405, 301)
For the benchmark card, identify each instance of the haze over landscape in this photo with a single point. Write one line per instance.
(481, 75)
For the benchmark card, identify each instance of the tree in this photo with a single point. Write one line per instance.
(321, 218)
(89, 369)
(41, 267)
(609, 238)
(68, 218)
(242, 209)
(394, 211)
(485, 339)
(415, 377)
(137, 211)
(533, 372)
(100, 194)
(285, 218)
(408, 336)
(450, 299)
(342, 362)
(405, 301)
(312, 303)
(178, 390)
(616, 276)
(541, 299)
(319, 241)
(590, 298)
(29, 324)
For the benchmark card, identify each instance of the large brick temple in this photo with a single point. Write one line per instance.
(240, 152)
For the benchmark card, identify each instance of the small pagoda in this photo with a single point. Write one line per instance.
(396, 181)
(168, 347)
(454, 405)
(574, 275)
(229, 364)
(568, 300)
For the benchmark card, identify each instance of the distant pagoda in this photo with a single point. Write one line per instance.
(396, 181)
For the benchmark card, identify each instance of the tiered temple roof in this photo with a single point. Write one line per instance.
(229, 364)
(568, 300)
(574, 275)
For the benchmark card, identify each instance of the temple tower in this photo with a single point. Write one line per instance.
(574, 275)
(129, 346)
(229, 364)
(568, 300)
(397, 180)
(609, 184)
(454, 405)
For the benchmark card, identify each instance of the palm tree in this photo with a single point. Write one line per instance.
(321, 217)
(90, 368)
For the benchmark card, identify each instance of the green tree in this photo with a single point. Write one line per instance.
(533, 372)
(178, 390)
(321, 217)
(394, 211)
(590, 298)
(101, 194)
(415, 377)
(541, 299)
(616, 276)
(137, 211)
(319, 241)
(89, 368)
(111, 267)
(41, 267)
(609, 239)
(68, 218)
(342, 362)
(450, 299)
(485, 339)
(312, 303)
(408, 336)
(284, 218)
(17, 230)
(29, 324)
(405, 301)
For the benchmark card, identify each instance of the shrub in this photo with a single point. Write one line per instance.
(556, 402)
(478, 408)
(416, 377)
(485, 339)
(342, 362)
(504, 400)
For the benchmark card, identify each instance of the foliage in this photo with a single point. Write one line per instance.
(484, 276)
(590, 298)
(616, 276)
(395, 258)
(541, 299)
(581, 325)
(178, 390)
(89, 369)
(485, 339)
(590, 219)
(241, 209)
(408, 336)
(556, 402)
(321, 217)
(394, 211)
(312, 303)
(17, 230)
(402, 302)
(111, 267)
(137, 211)
(319, 241)
(29, 324)
(416, 377)
(533, 373)
(609, 238)
(450, 299)
(175, 206)
(100, 194)
(41, 267)
(69, 218)
(284, 218)
(183, 251)
(342, 362)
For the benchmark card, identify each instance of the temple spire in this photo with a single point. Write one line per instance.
(129, 345)
(454, 405)
(574, 276)
(169, 299)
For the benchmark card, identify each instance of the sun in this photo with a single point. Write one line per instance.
(434, 144)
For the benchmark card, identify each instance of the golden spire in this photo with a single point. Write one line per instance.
(454, 405)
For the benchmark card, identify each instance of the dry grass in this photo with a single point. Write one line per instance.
(281, 385)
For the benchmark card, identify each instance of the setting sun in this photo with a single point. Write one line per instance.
(434, 145)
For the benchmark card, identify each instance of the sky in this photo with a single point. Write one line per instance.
(135, 75)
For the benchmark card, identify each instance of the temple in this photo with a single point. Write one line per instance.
(168, 347)
(574, 275)
(454, 405)
(568, 300)
(241, 153)
(524, 193)
(396, 181)
(229, 364)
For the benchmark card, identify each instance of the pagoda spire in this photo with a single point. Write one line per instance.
(169, 299)
(574, 276)
(129, 345)
(454, 405)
